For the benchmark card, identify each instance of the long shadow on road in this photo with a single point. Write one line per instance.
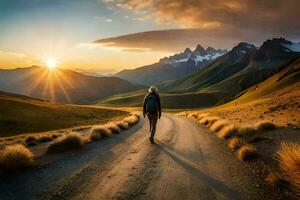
(188, 165)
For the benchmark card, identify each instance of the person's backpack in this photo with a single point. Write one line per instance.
(152, 104)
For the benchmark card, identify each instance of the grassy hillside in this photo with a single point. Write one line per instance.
(277, 99)
(287, 75)
(168, 101)
(21, 114)
(60, 85)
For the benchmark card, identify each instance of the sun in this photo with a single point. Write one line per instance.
(51, 63)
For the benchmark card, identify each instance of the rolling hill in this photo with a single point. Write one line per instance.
(64, 86)
(21, 114)
(168, 100)
(285, 78)
(173, 67)
(276, 99)
(243, 66)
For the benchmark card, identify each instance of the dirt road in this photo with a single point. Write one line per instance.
(187, 162)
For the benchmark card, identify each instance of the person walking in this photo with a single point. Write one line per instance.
(152, 109)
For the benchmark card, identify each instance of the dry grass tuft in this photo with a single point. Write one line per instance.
(273, 179)
(227, 131)
(103, 131)
(265, 126)
(247, 131)
(190, 115)
(114, 128)
(201, 115)
(218, 125)
(15, 157)
(185, 114)
(95, 136)
(211, 121)
(247, 152)
(31, 141)
(65, 143)
(208, 120)
(235, 143)
(132, 120)
(289, 163)
(122, 125)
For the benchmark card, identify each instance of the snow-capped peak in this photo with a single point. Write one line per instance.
(198, 55)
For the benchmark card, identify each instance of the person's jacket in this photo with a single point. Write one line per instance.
(158, 102)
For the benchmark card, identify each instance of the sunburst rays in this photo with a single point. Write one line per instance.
(51, 84)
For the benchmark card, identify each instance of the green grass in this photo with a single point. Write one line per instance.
(20, 114)
(169, 101)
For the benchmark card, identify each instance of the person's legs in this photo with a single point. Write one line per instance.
(153, 117)
(154, 121)
(150, 122)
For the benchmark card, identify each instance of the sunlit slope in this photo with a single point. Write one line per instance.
(242, 67)
(168, 101)
(21, 114)
(287, 75)
(277, 99)
(64, 86)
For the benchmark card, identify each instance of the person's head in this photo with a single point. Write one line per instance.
(152, 89)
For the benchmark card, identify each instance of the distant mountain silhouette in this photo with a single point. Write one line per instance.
(64, 86)
(172, 67)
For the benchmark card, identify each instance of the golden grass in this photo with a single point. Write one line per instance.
(207, 120)
(122, 125)
(191, 115)
(247, 130)
(218, 125)
(235, 143)
(273, 178)
(247, 152)
(132, 120)
(227, 131)
(114, 128)
(289, 163)
(201, 115)
(95, 136)
(265, 126)
(15, 156)
(185, 114)
(102, 130)
(65, 143)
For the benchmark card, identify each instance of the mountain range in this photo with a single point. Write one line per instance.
(173, 67)
(64, 86)
(240, 68)
(223, 79)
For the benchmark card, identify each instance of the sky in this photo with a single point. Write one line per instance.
(107, 36)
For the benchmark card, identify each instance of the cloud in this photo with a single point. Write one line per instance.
(244, 14)
(174, 40)
(218, 23)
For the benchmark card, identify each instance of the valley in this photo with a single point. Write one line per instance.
(21, 114)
